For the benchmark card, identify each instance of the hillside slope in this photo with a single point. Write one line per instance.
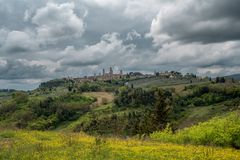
(234, 76)
(219, 131)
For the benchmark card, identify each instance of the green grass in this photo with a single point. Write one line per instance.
(194, 115)
(219, 131)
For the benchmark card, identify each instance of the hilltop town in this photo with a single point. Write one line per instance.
(110, 75)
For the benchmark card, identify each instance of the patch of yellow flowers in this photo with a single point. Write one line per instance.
(35, 145)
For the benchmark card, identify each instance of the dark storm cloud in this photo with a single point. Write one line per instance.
(21, 69)
(205, 21)
(79, 63)
(17, 49)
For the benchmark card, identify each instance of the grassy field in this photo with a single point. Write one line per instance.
(195, 115)
(26, 145)
(219, 131)
(163, 82)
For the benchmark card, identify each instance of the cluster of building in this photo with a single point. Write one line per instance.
(174, 74)
(167, 74)
(110, 75)
(104, 76)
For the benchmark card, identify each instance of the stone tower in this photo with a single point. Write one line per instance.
(103, 73)
(121, 72)
(111, 71)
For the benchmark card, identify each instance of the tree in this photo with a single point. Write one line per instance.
(20, 97)
(222, 80)
(70, 88)
(162, 109)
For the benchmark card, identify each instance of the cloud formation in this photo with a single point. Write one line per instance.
(51, 39)
(105, 51)
(58, 21)
(21, 69)
(18, 41)
(197, 21)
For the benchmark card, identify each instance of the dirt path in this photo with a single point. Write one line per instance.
(102, 97)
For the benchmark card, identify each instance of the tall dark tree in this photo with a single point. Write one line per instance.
(162, 109)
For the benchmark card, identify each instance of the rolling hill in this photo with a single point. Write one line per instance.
(234, 76)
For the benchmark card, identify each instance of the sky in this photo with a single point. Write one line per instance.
(46, 39)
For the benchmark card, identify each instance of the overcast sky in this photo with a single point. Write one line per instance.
(46, 39)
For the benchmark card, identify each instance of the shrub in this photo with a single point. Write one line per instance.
(104, 101)
(198, 102)
(20, 97)
(23, 117)
(44, 123)
(7, 108)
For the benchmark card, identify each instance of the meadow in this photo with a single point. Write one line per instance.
(37, 145)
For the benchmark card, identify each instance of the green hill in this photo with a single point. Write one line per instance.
(151, 119)
(234, 76)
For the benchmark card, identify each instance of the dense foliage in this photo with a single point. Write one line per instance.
(149, 112)
(43, 113)
(53, 83)
(209, 94)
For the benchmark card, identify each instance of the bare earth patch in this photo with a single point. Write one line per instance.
(102, 97)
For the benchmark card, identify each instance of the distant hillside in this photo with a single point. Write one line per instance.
(234, 76)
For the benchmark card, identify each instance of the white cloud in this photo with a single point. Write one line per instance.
(106, 3)
(58, 21)
(198, 54)
(214, 58)
(142, 8)
(18, 41)
(110, 51)
(133, 35)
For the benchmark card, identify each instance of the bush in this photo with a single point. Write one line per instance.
(20, 97)
(104, 101)
(42, 107)
(89, 87)
(44, 123)
(198, 102)
(7, 108)
(23, 117)
(135, 97)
